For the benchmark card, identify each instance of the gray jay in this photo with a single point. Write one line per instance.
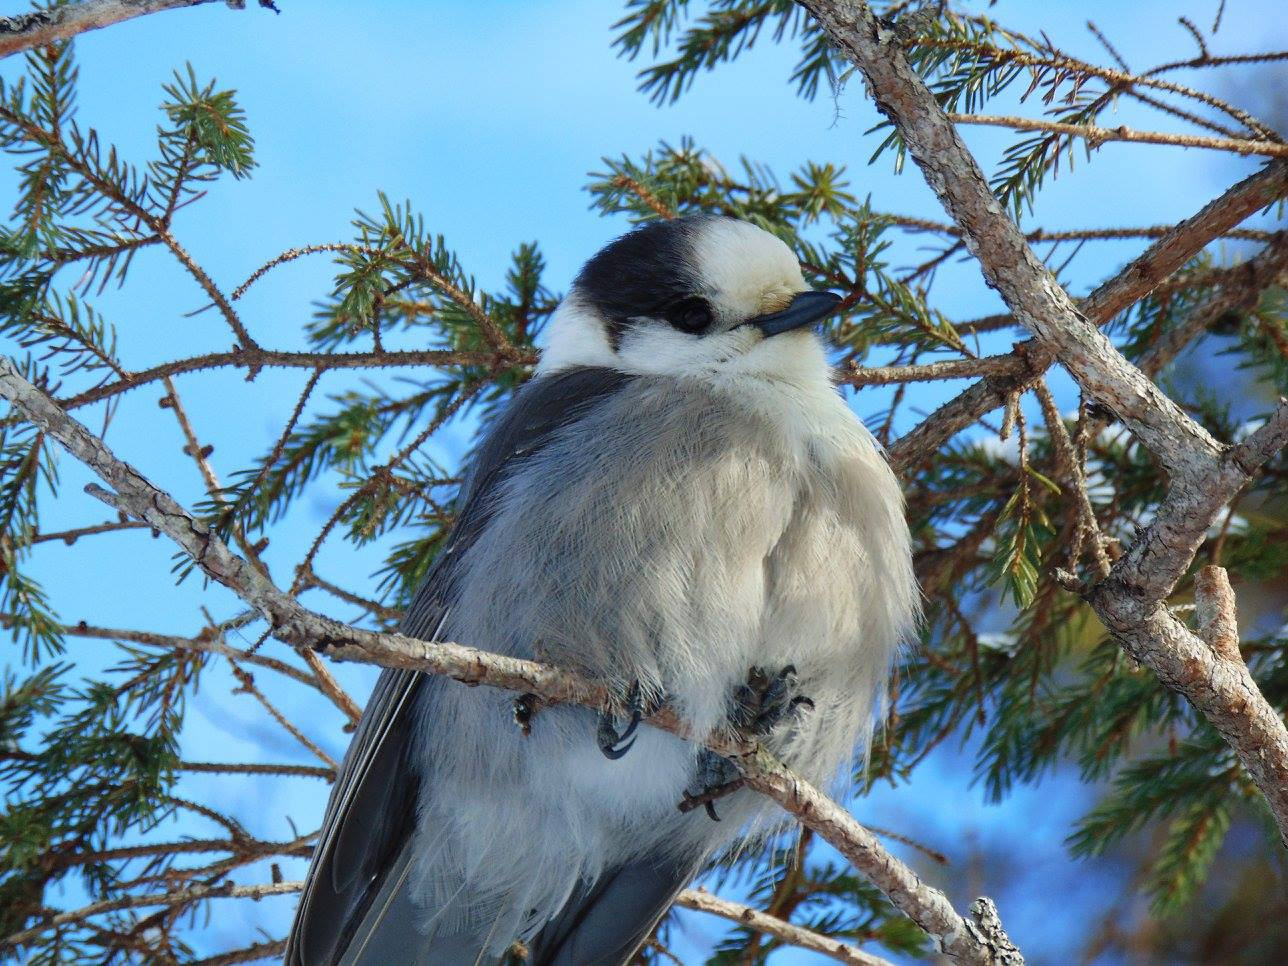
(678, 503)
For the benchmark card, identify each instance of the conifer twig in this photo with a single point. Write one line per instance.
(790, 933)
(1096, 136)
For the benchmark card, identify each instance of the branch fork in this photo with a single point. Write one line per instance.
(1204, 475)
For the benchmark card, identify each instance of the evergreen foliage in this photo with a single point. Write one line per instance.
(89, 765)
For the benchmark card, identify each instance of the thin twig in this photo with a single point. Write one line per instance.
(177, 897)
(254, 359)
(69, 537)
(790, 933)
(1099, 135)
(247, 684)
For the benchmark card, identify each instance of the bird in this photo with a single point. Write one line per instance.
(680, 504)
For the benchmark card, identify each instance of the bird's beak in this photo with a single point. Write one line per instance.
(805, 309)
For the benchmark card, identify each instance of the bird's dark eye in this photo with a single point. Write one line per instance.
(691, 314)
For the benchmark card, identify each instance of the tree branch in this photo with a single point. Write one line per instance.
(961, 939)
(1240, 289)
(210, 641)
(26, 30)
(175, 897)
(1003, 365)
(1145, 273)
(1203, 475)
(254, 358)
(788, 932)
(1097, 136)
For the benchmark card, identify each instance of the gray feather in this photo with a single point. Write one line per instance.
(367, 828)
(608, 920)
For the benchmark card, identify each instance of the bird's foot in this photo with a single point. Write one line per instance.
(759, 705)
(716, 778)
(526, 707)
(766, 700)
(615, 744)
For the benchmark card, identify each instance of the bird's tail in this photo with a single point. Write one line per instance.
(606, 921)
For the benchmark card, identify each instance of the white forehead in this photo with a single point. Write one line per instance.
(743, 265)
(744, 271)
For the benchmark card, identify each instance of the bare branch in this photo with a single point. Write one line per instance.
(1005, 365)
(1097, 136)
(176, 897)
(1074, 477)
(788, 932)
(254, 358)
(41, 27)
(246, 684)
(244, 846)
(69, 537)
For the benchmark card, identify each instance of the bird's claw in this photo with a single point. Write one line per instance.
(611, 743)
(759, 705)
(762, 702)
(716, 778)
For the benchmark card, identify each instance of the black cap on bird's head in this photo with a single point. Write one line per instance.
(691, 279)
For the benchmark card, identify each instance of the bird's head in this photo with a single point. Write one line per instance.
(694, 295)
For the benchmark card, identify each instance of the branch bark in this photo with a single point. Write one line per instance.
(1145, 273)
(1097, 136)
(962, 939)
(1204, 476)
(254, 358)
(174, 897)
(788, 932)
(41, 27)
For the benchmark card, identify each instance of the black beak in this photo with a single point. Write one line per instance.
(805, 309)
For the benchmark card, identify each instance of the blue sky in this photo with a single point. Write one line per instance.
(488, 116)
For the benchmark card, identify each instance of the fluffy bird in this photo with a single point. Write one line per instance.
(681, 504)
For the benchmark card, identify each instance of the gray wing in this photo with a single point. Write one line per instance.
(354, 883)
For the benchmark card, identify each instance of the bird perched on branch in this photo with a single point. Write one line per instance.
(678, 503)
